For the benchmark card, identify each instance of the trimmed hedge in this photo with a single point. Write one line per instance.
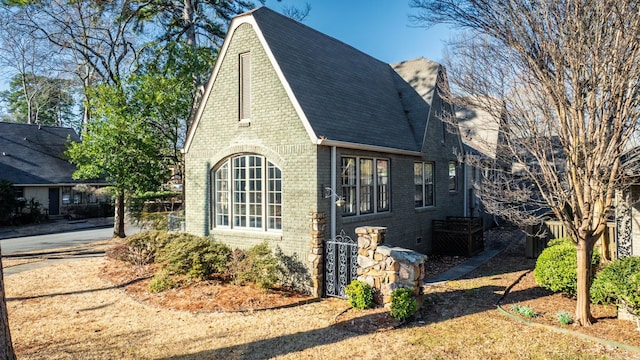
(619, 282)
(556, 267)
(360, 294)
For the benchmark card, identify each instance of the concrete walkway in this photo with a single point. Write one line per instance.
(471, 264)
(463, 269)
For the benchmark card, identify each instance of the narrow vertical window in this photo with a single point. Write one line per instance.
(428, 185)
(366, 186)
(382, 183)
(245, 86)
(221, 179)
(453, 181)
(274, 194)
(254, 192)
(239, 191)
(349, 185)
(419, 184)
(424, 186)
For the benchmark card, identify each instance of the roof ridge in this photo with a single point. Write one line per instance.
(298, 23)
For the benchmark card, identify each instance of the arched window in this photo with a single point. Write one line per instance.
(247, 194)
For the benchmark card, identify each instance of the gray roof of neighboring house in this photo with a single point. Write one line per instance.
(479, 129)
(347, 95)
(32, 154)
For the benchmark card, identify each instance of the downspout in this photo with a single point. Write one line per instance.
(466, 189)
(333, 188)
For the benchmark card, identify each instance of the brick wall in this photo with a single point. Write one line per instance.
(275, 131)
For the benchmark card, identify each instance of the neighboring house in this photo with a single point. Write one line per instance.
(628, 208)
(482, 132)
(300, 137)
(31, 157)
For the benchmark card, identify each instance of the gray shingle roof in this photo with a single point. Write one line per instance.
(345, 94)
(32, 155)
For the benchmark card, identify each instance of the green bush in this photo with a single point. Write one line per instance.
(403, 304)
(524, 310)
(197, 257)
(619, 282)
(153, 220)
(360, 294)
(557, 265)
(292, 273)
(257, 265)
(141, 248)
(162, 281)
(8, 201)
(564, 317)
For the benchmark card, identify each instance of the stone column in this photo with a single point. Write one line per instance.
(316, 253)
(387, 268)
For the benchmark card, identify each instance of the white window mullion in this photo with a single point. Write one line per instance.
(357, 185)
(265, 194)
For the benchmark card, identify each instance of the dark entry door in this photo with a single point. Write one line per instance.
(54, 201)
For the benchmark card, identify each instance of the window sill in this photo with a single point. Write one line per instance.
(425, 209)
(248, 234)
(244, 123)
(358, 218)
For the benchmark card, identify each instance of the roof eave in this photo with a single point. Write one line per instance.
(62, 184)
(365, 147)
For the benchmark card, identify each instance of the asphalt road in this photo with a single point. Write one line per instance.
(53, 241)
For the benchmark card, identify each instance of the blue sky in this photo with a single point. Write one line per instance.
(380, 28)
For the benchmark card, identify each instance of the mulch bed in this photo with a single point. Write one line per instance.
(510, 268)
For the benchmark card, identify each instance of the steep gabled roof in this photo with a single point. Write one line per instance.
(343, 96)
(32, 154)
(480, 128)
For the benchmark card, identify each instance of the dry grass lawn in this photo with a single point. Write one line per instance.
(70, 310)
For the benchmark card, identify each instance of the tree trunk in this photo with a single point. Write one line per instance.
(6, 347)
(118, 221)
(583, 306)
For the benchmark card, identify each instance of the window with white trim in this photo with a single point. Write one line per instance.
(247, 194)
(424, 184)
(365, 185)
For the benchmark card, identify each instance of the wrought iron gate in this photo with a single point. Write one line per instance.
(341, 264)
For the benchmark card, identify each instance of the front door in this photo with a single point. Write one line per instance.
(54, 201)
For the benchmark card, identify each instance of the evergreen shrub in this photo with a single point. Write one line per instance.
(256, 265)
(198, 257)
(360, 294)
(619, 283)
(403, 304)
(556, 267)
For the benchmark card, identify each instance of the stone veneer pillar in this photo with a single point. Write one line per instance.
(387, 268)
(316, 253)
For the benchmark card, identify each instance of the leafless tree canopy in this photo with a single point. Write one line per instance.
(567, 74)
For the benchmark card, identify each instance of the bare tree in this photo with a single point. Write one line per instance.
(25, 58)
(94, 40)
(567, 73)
